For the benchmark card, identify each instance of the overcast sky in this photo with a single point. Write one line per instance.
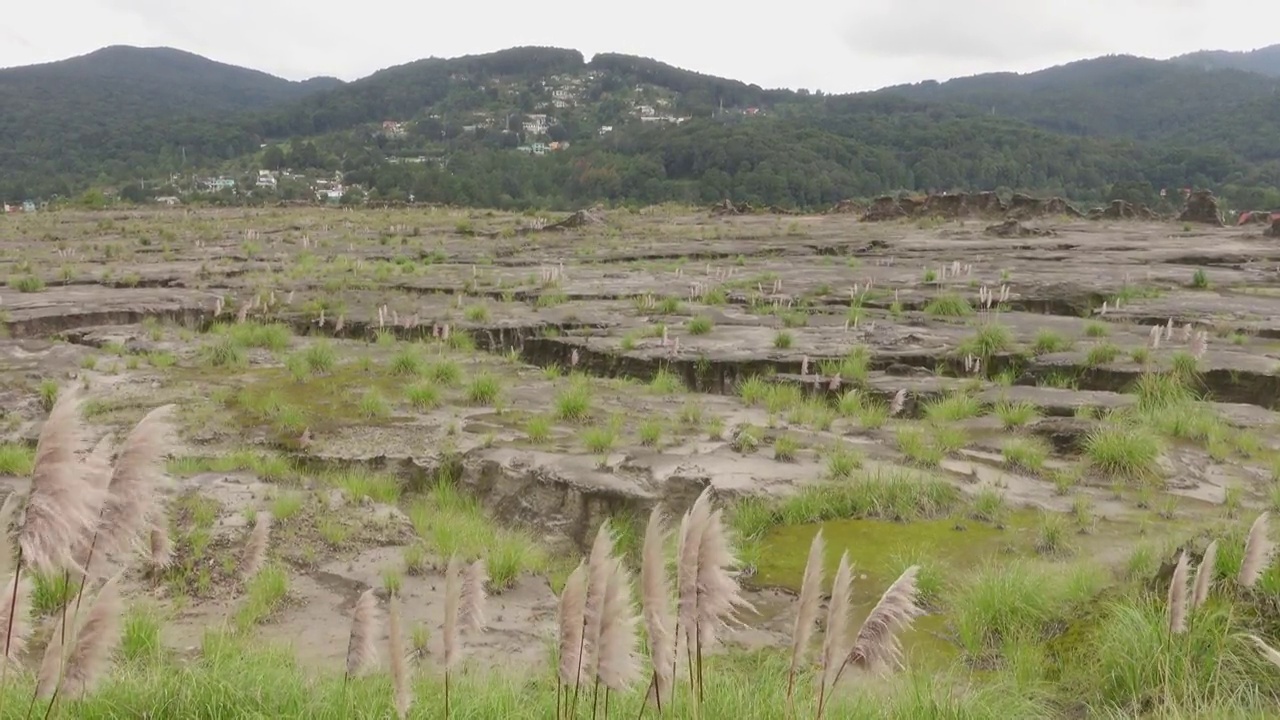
(833, 46)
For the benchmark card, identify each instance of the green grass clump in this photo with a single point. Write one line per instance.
(423, 395)
(223, 352)
(699, 325)
(406, 363)
(1015, 414)
(1026, 453)
(953, 408)
(251, 334)
(990, 338)
(573, 404)
(1123, 451)
(16, 459)
(452, 522)
(948, 305)
(484, 389)
(891, 496)
(1048, 341)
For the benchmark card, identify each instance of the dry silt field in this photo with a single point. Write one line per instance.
(1048, 429)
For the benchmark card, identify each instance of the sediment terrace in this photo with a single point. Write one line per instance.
(343, 365)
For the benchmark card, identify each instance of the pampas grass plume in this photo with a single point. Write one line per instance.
(598, 570)
(655, 597)
(573, 599)
(62, 507)
(834, 640)
(95, 640)
(7, 509)
(255, 550)
(719, 595)
(1204, 575)
(877, 645)
(452, 598)
(807, 612)
(399, 674)
(51, 663)
(471, 612)
(161, 555)
(133, 486)
(1271, 654)
(1178, 596)
(21, 615)
(1257, 552)
(618, 664)
(362, 653)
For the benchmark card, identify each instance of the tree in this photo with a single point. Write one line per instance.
(273, 158)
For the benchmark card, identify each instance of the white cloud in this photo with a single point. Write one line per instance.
(809, 43)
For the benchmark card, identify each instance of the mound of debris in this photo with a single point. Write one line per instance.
(579, 219)
(1257, 217)
(1275, 227)
(1025, 207)
(846, 207)
(1202, 207)
(1123, 210)
(1014, 228)
(727, 207)
(945, 205)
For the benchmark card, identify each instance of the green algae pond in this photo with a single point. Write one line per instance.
(947, 549)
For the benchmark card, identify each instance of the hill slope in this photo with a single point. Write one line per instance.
(73, 115)
(474, 130)
(1264, 61)
(1123, 96)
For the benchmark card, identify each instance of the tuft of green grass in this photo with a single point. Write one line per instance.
(1026, 453)
(989, 339)
(265, 594)
(1015, 414)
(783, 340)
(699, 325)
(948, 305)
(1048, 341)
(423, 395)
(16, 459)
(573, 404)
(484, 389)
(1123, 451)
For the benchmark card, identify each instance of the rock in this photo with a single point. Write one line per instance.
(579, 219)
(1123, 210)
(846, 207)
(885, 207)
(1275, 227)
(1024, 207)
(1202, 207)
(1013, 228)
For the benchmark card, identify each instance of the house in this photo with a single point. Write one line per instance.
(561, 104)
(535, 148)
(751, 111)
(332, 194)
(28, 206)
(217, 184)
(266, 179)
(644, 110)
(167, 200)
(556, 146)
(392, 128)
(604, 130)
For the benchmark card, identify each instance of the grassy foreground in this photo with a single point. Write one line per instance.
(232, 679)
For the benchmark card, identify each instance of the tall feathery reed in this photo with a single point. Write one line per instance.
(687, 544)
(834, 640)
(61, 509)
(877, 646)
(655, 598)
(403, 694)
(719, 596)
(617, 658)
(255, 548)
(452, 599)
(1269, 653)
(20, 590)
(362, 650)
(132, 494)
(569, 616)
(1204, 575)
(598, 569)
(806, 613)
(95, 640)
(1257, 552)
(1178, 596)
(471, 608)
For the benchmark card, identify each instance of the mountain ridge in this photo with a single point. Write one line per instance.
(1085, 126)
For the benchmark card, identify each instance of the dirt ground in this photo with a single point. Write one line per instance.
(662, 317)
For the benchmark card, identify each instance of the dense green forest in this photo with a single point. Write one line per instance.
(1088, 130)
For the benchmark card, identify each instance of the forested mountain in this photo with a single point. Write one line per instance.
(543, 126)
(1125, 96)
(1264, 61)
(120, 107)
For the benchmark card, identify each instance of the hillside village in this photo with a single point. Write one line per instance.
(562, 110)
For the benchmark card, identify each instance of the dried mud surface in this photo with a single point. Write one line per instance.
(123, 290)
